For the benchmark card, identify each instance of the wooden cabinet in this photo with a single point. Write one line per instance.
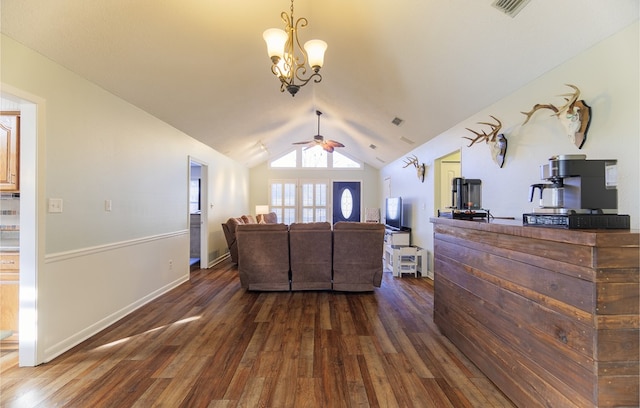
(551, 316)
(9, 290)
(9, 151)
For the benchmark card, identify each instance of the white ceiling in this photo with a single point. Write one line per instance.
(202, 66)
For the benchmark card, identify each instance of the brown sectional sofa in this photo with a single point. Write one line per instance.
(310, 256)
(229, 229)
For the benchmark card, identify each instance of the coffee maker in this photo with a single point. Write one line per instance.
(578, 193)
(466, 200)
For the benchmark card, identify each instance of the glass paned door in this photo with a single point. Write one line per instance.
(314, 201)
(283, 200)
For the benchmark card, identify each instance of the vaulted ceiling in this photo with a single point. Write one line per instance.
(202, 66)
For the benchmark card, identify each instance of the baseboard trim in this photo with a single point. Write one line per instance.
(70, 342)
(218, 260)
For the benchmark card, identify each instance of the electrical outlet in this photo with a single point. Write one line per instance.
(170, 264)
(107, 205)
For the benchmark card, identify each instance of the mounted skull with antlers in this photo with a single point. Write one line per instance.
(575, 116)
(420, 168)
(497, 141)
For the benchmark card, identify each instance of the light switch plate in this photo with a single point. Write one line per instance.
(55, 205)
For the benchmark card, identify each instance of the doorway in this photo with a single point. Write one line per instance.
(446, 169)
(198, 214)
(346, 201)
(32, 111)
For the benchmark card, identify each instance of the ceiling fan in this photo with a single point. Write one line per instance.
(318, 139)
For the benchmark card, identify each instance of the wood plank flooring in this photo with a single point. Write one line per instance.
(209, 343)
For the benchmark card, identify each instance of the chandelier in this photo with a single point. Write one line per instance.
(289, 58)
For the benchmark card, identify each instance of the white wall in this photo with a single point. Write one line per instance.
(607, 75)
(92, 266)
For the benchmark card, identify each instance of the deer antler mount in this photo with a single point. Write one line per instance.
(575, 116)
(421, 168)
(497, 141)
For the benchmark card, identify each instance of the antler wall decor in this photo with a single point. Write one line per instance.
(420, 168)
(497, 141)
(575, 116)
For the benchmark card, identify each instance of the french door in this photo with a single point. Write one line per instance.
(299, 200)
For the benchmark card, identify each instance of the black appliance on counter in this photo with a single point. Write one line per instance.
(579, 194)
(466, 200)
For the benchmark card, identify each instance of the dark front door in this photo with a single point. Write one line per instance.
(346, 201)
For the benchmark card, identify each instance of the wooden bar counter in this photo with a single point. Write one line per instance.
(549, 315)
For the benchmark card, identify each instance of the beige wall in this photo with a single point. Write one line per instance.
(261, 174)
(88, 267)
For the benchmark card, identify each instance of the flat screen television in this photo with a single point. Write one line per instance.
(393, 213)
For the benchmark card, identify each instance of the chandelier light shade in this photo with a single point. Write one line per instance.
(289, 60)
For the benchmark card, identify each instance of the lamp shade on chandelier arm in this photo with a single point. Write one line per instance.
(289, 59)
(276, 40)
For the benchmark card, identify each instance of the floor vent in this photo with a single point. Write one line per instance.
(510, 7)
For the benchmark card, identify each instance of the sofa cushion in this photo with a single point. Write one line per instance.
(310, 253)
(263, 256)
(248, 219)
(270, 218)
(357, 256)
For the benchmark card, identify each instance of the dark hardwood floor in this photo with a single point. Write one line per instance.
(209, 343)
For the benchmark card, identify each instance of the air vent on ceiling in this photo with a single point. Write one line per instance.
(510, 7)
(372, 146)
(407, 141)
(380, 160)
(397, 121)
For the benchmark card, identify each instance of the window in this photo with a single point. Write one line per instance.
(194, 196)
(346, 203)
(342, 161)
(299, 200)
(288, 160)
(315, 158)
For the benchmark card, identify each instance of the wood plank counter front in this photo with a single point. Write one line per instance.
(549, 315)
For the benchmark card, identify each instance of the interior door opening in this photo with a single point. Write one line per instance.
(32, 111)
(198, 215)
(447, 168)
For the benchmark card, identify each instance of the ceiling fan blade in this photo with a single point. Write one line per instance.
(334, 143)
(301, 143)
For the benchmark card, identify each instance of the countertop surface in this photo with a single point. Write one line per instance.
(10, 245)
(591, 237)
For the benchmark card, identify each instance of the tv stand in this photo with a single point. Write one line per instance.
(393, 236)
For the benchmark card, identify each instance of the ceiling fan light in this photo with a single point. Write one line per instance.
(315, 53)
(276, 40)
